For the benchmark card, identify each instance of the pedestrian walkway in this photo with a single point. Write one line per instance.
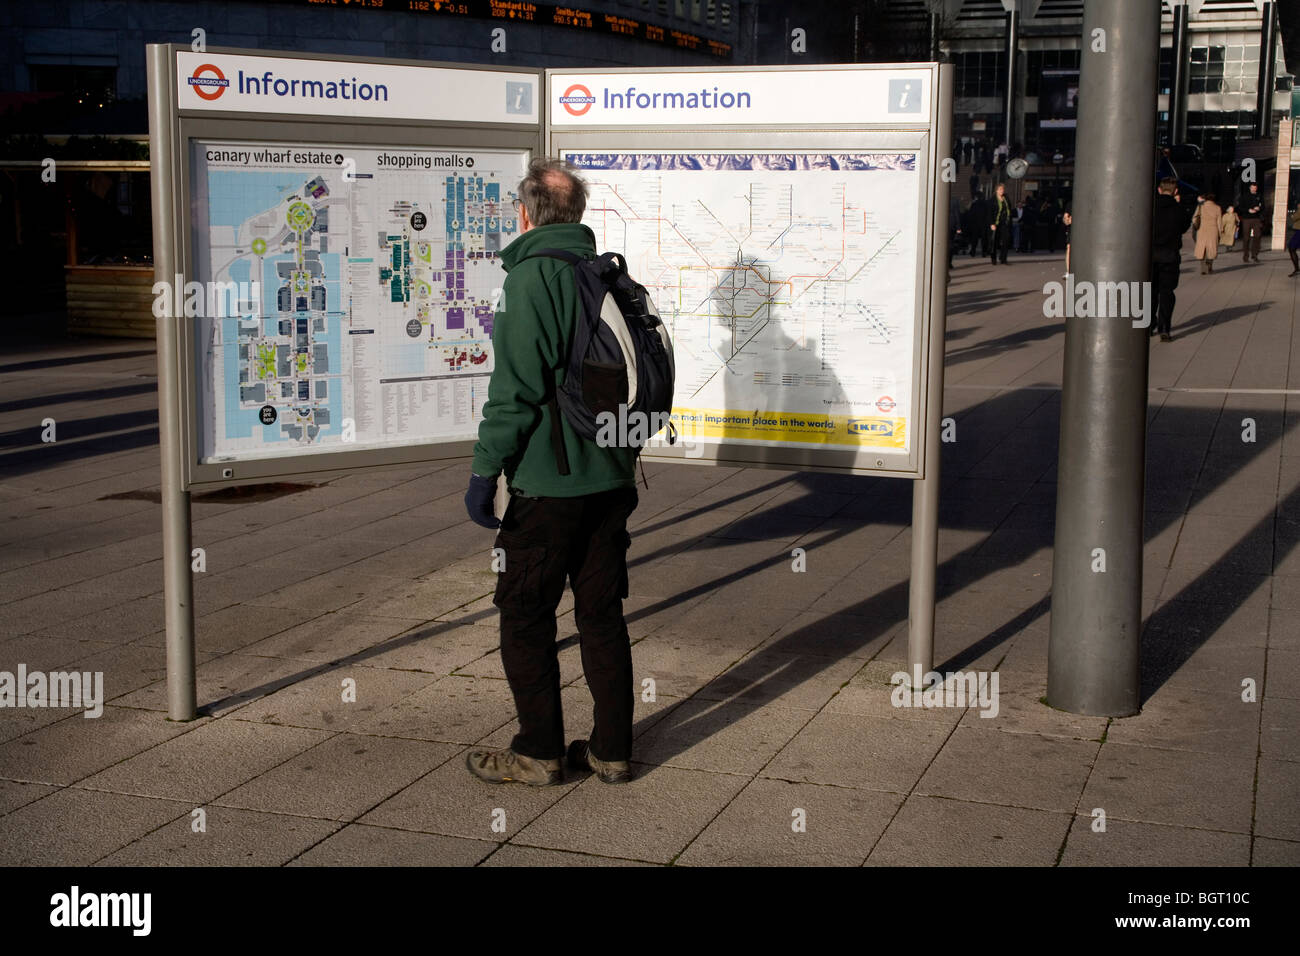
(765, 731)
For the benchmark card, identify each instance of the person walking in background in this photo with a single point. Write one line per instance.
(1293, 243)
(1252, 223)
(1168, 223)
(1207, 222)
(999, 226)
(1017, 217)
(1228, 228)
(1066, 220)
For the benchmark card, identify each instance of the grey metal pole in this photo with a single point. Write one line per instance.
(1012, 53)
(1179, 79)
(178, 585)
(925, 491)
(1264, 92)
(1093, 655)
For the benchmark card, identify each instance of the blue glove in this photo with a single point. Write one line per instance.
(479, 500)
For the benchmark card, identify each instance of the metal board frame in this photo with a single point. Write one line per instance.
(922, 134)
(174, 252)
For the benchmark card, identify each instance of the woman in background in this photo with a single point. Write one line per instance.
(1207, 222)
(1228, 228)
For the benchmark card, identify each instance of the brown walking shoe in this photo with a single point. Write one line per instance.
(609, 771)
(506, 766)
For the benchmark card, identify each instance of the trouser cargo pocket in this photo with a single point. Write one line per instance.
(519, 584)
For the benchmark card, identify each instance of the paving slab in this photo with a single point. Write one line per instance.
(455, 708)
(339, 698)
(1178, 717)
(330, 637)
(866, 695)
(1279, 737)
(837, 826)
(869, 753)
(733, 736)
(679, 666)
(793, 680)
(1127, 843)
(969, 834)
(227, 683)
(1026, 713)
(74, 827)
(1021, 769)
(76, 747)
(15, 794)
(212, 759)
(52, 608)
(41, 652)
(361, 845)
(129, 621)
(1283, 673)
(235, 627)
(511, 855)
(1174, 787)
(432, 647)
(1276, 799)
(653, 818)
(1275, 852)
(340, 778)
(442, 592)
(229, 837)
(452, 802)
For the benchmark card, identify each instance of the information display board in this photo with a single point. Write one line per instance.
(786, 280)
(331, 260)
(361, 292)
(782, 222)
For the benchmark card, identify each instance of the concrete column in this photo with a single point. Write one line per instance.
(1093, 655)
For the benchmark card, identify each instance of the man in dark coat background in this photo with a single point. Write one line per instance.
(1170, 219)
(1251, 209)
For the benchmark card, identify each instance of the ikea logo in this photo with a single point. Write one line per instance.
(876, 427)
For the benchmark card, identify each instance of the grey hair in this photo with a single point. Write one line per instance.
(552, 191)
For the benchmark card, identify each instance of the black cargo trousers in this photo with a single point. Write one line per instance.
(583, 540)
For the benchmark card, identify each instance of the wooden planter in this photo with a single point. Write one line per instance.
(111, 300)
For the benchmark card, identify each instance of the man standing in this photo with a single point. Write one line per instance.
(1168, 223)
(557, 526)
(1252, 223)
(999, 226)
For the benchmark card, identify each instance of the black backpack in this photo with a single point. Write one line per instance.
(618, 381)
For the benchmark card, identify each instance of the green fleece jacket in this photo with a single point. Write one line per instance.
(538, 312)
